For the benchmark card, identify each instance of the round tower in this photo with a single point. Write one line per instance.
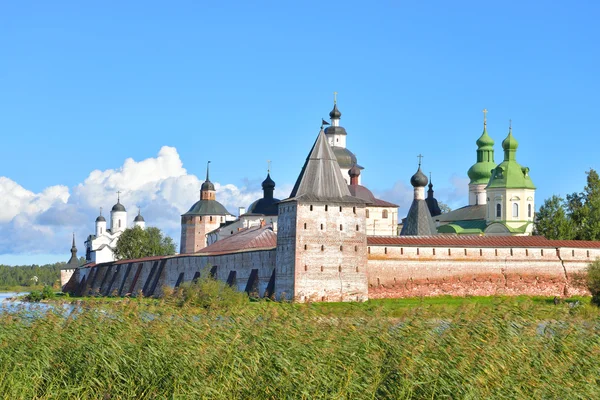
(481, 172)
(118, 216)
(100, 224)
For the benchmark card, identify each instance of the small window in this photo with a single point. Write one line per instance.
(305, 225)
(434, 252)
(480, 252)
(221, 219)
(354, 210)
(465, 252)
(449, 252)
(119, 223)
(367, 213)
(322, 270)
(326, 208)
(311, 208)
(572, 253)
(385, 250)
(341, 227)
(341, 248)
(357, 228)
(402, 250)
(340, 268)
(527, 252)
(355, 248)
(515, 210)
(340, 208)
(321, 226)
(417, 251)
(369, 250)
(498, 210)
(542, 252)
(210, 219)
(322, 247)
(496, 252)
(101, 231)
(384, 214)
(200, 219)
(305, 267)
(305, 247)
(529, 210)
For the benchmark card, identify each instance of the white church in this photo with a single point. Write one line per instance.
(100, 247)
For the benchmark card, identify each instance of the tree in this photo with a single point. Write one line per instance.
(138, 243)
(551, 220)
(444, 208)
(577, 217)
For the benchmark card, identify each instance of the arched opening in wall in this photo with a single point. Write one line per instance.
(213, 272)
(367, 213)
(311, 208)
(196, 277)
(515, 210)
(252, 284)
(384, 214)
(529, 210)
(498, 210)
(270, 291)
(341, 227)
(232, 278)
(179, 280)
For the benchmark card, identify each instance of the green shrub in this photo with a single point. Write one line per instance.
(593, 281)
(35, 296)
(48, 292)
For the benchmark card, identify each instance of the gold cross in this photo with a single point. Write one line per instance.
(335, 97)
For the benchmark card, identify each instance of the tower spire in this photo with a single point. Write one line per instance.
(207, 170)
(485, 111)
(335, 97)
(118, 196)
(73, 246)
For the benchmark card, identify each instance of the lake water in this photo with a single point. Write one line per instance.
(31, 309)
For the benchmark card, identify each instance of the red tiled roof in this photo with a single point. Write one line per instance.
(382, 203)
(478, 241)
(259, 238)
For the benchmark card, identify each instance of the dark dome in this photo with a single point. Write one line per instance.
(207, 185)
(100, 219)
(268, 183)
(119, 207)
(354, 171)
(344, 157)
(265, 206)
(419, 179)
(138, 218)
(335, 113)
(362, 193)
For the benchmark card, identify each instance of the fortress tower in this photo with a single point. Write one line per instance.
(205, 216)
(321, 239)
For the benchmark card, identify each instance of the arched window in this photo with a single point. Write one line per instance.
(384, 214)
(326, 208)
(498, 210)
(210, 219)
(321, 226)
(101, 231)
(529, 210)
(367, 213)
(310, 208)
(119, 223)
(305, 225)
(341, 227)
(515, 209)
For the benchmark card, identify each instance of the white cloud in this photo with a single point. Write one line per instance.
(42, 223)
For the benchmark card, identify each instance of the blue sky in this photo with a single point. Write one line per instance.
(84, 87)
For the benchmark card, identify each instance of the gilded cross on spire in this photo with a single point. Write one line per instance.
(335, 97)
(420, 157)
(485, 111)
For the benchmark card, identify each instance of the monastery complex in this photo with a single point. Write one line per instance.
(333, 240)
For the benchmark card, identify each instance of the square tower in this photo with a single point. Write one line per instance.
(321, 238)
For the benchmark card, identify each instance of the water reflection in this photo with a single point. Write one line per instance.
(9, 302)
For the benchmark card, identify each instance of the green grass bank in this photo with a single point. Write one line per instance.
(208, 342)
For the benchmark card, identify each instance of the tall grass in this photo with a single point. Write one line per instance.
(191, 345)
